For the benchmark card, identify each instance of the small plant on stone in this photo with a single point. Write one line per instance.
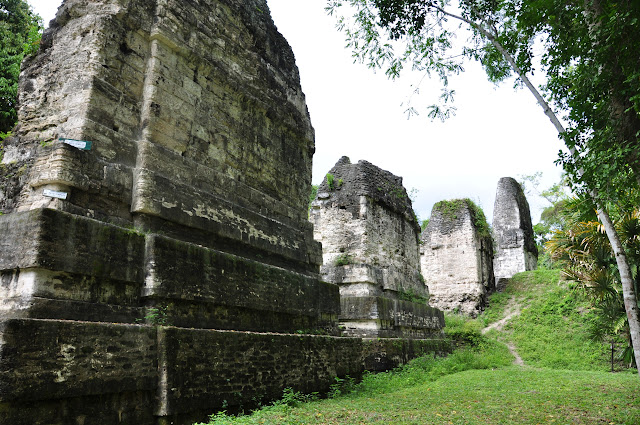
(411, 296)
(343, 260)
(157, 316)
(330, 181)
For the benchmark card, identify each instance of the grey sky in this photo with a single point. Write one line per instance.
(497, 132)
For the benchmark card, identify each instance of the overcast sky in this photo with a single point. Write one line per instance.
(496, 132)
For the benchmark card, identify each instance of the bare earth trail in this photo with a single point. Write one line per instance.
(512, 310)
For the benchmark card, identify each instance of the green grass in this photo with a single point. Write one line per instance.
(506, 395)
(564, 380)
(552, 329)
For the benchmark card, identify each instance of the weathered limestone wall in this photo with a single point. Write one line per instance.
(456, 257)
(516, 249)
(369, 236)
(120, 290)
(193, 110)
(108, 373)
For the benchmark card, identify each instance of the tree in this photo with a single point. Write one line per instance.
(312, 194)
(20, 31)
(552, 218)
(587, 46)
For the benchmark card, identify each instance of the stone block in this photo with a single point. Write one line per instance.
(53, 359)
(216, 215)
(115, 408)
(206, 288)
(456, 257)
(365, 316)
(58, 241)
(195, 361)
(382, 354)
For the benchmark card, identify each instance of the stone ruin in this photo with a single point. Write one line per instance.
(369, 234)
(515, 246)
(456, 254)
(144, 184)
(156, 262)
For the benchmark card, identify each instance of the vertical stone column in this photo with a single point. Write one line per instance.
(515, 247)
(456, 256)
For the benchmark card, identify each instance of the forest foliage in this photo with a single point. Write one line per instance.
(20, 33)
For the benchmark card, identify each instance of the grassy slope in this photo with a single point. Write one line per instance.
(552, 328)
(564, 381)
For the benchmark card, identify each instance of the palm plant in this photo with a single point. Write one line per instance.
(583, 249)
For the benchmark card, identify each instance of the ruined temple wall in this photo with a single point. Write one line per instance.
(364, 223)
(456, 259)
(107, 373)
(192, 110)
(364, 219)
(516, 250)
(177, 227)
(192, 122)
(377, 238)
(176, 274)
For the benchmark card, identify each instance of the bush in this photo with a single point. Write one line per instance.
(463, 331)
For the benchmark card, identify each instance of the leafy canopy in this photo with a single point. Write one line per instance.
(587, 50)
(20, 31)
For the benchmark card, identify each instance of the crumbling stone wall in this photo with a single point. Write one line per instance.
(202, 97)
(369, 234)
(177, 213)
(193, 109)
(516, 249)
(456, 254)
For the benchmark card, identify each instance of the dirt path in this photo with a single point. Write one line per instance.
(512, 349)
(512, 310)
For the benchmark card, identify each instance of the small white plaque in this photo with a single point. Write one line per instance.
(55, 194)
(80, 144)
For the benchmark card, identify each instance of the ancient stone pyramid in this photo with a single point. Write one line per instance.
(154, 203)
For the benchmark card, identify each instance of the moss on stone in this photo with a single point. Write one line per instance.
(452, 209)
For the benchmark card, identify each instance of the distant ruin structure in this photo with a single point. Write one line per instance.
(369, 234)
(515, 246)
(154, 201)
(456, 257)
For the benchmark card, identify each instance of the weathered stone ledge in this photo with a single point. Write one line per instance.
(55, 259)
(63, 372)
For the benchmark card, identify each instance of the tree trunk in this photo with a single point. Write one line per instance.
(628, 288)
